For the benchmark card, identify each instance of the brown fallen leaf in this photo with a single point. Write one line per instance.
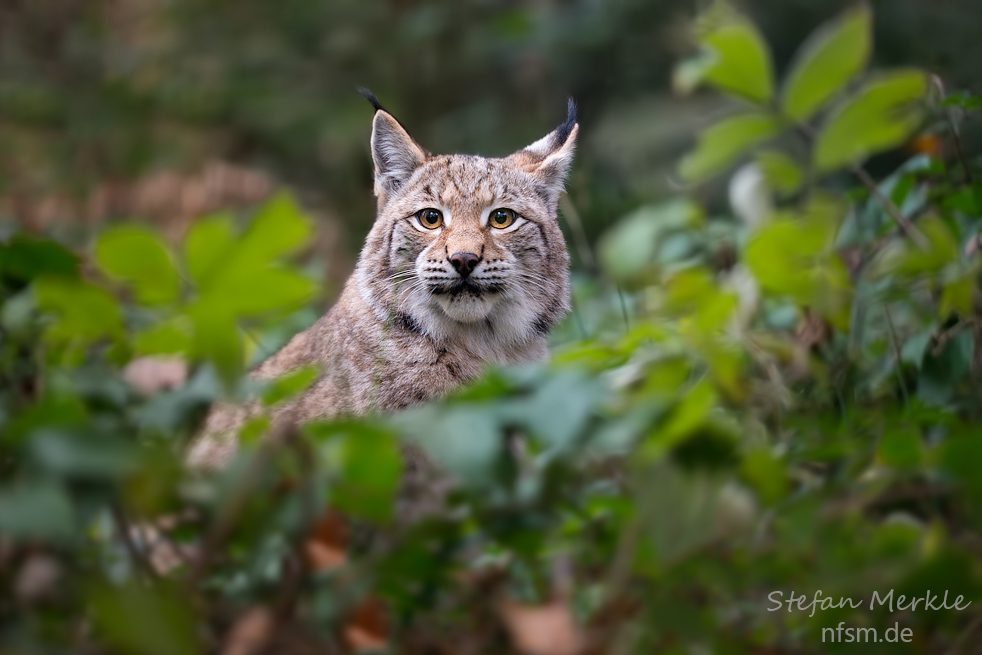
(327, 546)
(366, 628)
(543, 629)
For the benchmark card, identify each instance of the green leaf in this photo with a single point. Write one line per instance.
(26, 257)
(207, 245)
(781, 172)
(910, 260)
(740, 62)
(900, 447)
(720, 144)
(826, 62)
(794, 257)
(279, 228)
(290, 385)
(882, 114)
(138, 257)
(437, 430)
(165, 338)
(144, 620)
(766, 474)
(36, 510)
(85, 312)
(956, 295)
(83, 455)
(630, 247)
(366, 462)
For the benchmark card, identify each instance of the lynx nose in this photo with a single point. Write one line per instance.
(464, 262)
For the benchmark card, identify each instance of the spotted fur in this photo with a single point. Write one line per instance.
(409, 326)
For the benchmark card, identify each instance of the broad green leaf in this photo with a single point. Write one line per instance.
(26, 257)
(168, 337)
(630, 247)
(368, 473)
(245, 292)
(766, 474)
(145, 620)
(217, 339)
(740, 62)
(720, 144)
(694, 295)
(956, 295)
(84, 311)
(279, 228)
(826, 62)
(290, 384)
(691, 411)
(81, 455)
(900, 447)
(138, 257)
(781, 172)
(37, 510)
(690, 73)
(908, 259)
(881, 115)
(207, 245)
(793, 257)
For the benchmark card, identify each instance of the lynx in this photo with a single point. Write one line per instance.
(465, 265)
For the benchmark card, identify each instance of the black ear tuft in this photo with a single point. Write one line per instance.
(369, 96)
(562, 132)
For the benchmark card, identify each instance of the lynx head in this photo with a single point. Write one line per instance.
(466, 247)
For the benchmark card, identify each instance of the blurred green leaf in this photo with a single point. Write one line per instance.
(83, 310)
(145, 620)
(793, 256)
(826, 62)
(766, 474)
(720, 144)
(39, 509)
(208, 243)
(76, 454)
(741, 63)
(882, 114)
(900, 447)
(165, 338)
(290, 385)
(781, 172)
(26, 257)
(137, 256)
(365, 464)
(630, 246)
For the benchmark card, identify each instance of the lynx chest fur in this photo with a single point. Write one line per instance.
(465, 265)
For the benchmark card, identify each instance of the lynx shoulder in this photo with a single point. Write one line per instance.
(464, 265)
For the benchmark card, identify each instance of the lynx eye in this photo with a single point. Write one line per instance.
(430, 218)
(501, 218)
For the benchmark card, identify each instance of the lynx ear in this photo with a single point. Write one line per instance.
(395, 154)
(550, 157)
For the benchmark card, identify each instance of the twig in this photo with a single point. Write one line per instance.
(896, 352)
(953, 130)
(125, 534)
(889, 207)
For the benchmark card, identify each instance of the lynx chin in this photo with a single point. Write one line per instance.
(465, 265)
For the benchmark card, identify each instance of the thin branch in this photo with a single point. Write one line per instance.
(890, 208)
(126, 536)
(897, 354)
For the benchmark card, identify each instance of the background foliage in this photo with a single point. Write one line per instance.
(779, 396)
